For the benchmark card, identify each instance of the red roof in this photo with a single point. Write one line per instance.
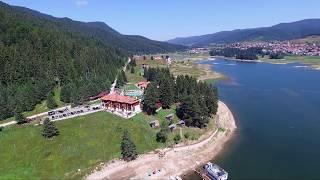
(100, 95)
(119, 98)
(143, 84)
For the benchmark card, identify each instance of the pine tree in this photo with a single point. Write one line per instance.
(128, 148)
(19, 118)
(51, 103)
(49, 129)
(65, 94)
(150, 99)
(166, 93)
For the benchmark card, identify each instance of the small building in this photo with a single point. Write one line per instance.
(158, 58)
(154, 124)
(170, 117)
(122, 105)
(144, 66)
(181, 123)
(172, 127)
(143, 84)
(100, 95)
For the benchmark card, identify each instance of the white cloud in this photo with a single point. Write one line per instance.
(81, 2)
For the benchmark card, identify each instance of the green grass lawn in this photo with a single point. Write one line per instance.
(134, 77)
(84, 142)
(130, 87)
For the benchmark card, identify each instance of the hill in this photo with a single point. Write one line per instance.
(283, 31)
(99, 30)
(308, 39)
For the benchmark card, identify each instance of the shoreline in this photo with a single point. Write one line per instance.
(176, 161)
(271, 61)
(239, 60)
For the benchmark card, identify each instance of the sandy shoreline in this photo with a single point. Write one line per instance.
(176, 161)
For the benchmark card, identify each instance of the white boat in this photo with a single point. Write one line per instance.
(215, 172)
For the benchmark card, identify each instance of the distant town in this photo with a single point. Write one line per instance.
(283, 47)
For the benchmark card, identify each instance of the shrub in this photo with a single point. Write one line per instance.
(187, 135)
(51, 103)
(162, 136)
(177, 138)
(20, 118)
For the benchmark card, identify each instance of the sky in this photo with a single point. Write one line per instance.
(167, 19)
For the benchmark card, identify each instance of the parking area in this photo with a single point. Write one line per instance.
(70, 112)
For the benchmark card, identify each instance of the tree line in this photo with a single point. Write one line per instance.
(248, 54)
(252, 53)
(196, 101)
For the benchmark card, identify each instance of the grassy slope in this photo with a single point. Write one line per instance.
(84, 142)
(134, 77)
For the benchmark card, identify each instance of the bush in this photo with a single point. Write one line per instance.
(187, 135)
(132, 70)
(177, 138)
(1, 128)
(51, 103)
(20, 118)
(162, 136)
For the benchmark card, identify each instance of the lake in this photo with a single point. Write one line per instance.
(277, 109)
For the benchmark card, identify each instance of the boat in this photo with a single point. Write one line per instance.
(215, 172)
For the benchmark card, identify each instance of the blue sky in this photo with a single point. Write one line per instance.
(166, 19)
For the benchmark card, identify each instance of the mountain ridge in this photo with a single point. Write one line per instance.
(99, 30)
(281, 31)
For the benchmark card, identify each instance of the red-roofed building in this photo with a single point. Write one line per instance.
(100, 95)
(143, 84)
(123, 105)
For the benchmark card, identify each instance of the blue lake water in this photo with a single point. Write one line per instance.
(277, 109)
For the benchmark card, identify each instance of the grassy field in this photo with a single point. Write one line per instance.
(314, 60)
(84, 142)
(130, 87)
(311, 60)
(134, 77)
(184, 64)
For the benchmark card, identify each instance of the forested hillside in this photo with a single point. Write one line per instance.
(35, 58)
(130, 43)
(283, 31)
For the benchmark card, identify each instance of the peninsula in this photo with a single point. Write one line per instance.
(174, 162)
